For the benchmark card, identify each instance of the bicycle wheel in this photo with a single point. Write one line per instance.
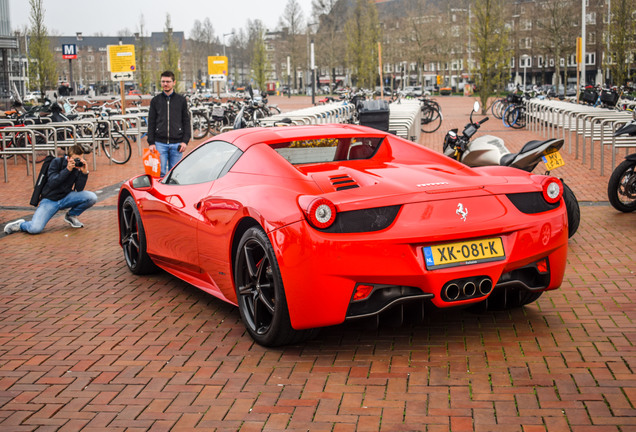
(497, 108)
(501, 108)
(520, 117)
(119, 150)
(200, 125)
(215, 127)
(22, 139)
(431, 120)
(508, 116)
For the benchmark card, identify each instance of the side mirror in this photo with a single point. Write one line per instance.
(476, 106)
(143, 182)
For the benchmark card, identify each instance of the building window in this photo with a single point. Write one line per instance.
(525, 62)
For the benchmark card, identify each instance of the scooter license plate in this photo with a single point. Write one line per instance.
(463, 253)
(552, 159)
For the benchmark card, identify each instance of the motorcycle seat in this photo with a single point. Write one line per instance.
(508, 159)
(531, 145)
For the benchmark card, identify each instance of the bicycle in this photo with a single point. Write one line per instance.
(431, 115)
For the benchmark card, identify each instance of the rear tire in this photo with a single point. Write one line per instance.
(200, 125)
(260, 292)
(573, 210)
(119, 151)
(431, 120)
(621, 189)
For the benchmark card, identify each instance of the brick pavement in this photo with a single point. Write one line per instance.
(84, 344)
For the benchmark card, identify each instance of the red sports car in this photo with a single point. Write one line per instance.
(308, 226)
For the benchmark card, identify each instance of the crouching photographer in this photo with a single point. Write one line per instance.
(64, 185)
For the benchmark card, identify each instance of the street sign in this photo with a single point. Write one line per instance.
(218, 77)
(217, 65)
(121, 58)
(121, 76)
(69, 51)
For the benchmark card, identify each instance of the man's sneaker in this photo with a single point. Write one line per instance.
(13, 227)
(73, 221)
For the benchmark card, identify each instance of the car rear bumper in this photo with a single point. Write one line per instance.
(321, 271)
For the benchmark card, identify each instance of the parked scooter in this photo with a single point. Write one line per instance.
(621, 189)
(490, 150)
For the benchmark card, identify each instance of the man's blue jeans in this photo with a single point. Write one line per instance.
(76, 201)
(169, 155)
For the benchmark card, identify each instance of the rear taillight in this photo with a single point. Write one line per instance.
(321, 213)
(552, 189)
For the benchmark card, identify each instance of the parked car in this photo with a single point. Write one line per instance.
(309, 226)
(413, 90)
(33, 96)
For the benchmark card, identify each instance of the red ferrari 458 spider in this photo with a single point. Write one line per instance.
(308, 226)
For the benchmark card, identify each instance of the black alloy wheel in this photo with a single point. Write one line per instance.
(259, 290)
(133, 239)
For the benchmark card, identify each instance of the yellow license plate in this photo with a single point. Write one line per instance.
(552, 159)
(463, 253)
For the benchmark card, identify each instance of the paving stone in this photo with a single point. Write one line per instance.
(84, 344)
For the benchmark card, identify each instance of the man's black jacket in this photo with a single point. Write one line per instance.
(61, 181)
(168, 119)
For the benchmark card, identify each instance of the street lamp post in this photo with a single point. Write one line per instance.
(525, 58)
(228, 63)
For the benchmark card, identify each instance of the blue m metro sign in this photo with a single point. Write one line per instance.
(69, 51)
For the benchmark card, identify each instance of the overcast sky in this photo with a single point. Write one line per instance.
(66, 17)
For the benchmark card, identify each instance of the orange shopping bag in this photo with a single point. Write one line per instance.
(152, 163)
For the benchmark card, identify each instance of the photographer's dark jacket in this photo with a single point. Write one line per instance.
(62, 181)
(168, 119)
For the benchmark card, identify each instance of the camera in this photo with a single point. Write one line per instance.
(78, 163)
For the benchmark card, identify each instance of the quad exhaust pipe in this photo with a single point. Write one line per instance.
(467, 288)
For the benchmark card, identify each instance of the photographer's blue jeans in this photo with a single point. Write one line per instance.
(76, 201)
(169, 155)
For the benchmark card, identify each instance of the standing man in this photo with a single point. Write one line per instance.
(64, 189)
(168, 124)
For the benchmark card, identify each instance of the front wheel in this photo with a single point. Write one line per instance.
(621, 189)
(573, 210)
(133, 239)
(260, 293)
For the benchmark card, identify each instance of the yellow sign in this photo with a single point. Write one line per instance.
(217, 65)
(439, 79)
(121, 58)
(579, 50)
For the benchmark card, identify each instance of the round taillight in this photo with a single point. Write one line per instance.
(552, 190)
(321, 213)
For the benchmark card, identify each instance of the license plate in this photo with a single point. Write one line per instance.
(463, 253)
(552, 159)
